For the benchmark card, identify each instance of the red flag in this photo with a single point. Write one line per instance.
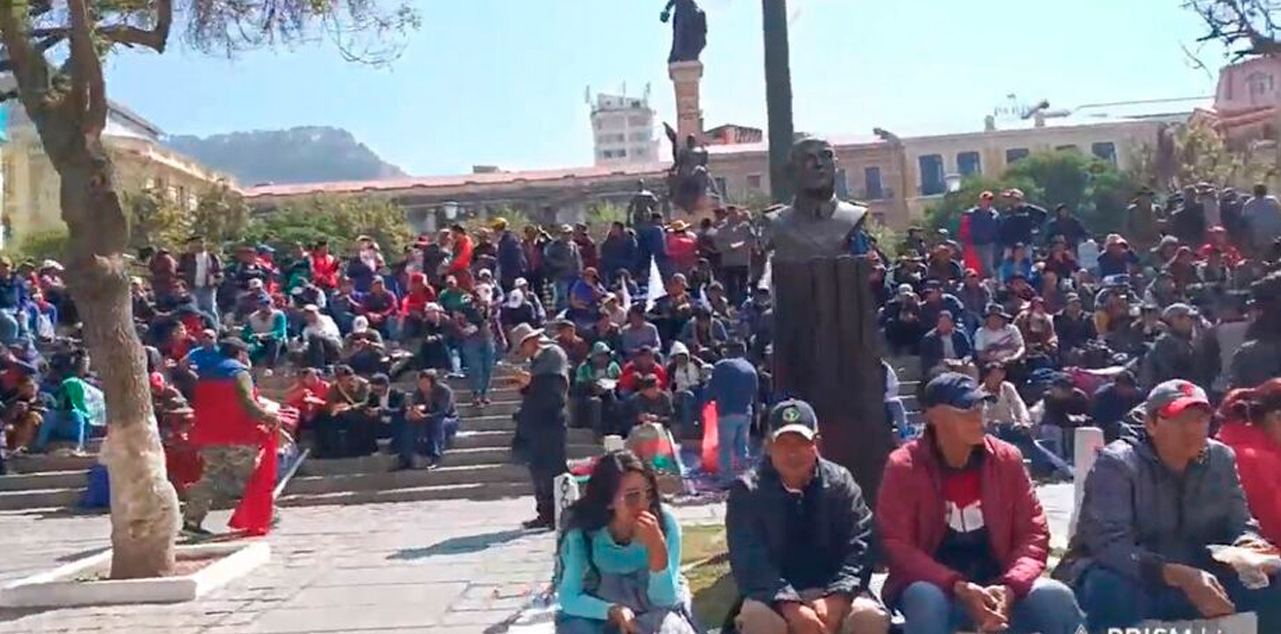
(711, 442)
(253, 515)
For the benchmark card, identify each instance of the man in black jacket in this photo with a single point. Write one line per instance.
(800, 538)
(540, 423)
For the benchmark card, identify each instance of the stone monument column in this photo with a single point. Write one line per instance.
(687, 76)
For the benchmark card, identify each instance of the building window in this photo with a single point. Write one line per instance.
(872, 179)
(1013, 155)
(842, 184)
(969, 163)
(754, 182)
(638, 121)
(1105, 150)
(932, 181)
(722, 187)
(1259, 85)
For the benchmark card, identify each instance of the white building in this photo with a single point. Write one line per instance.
(623, 129)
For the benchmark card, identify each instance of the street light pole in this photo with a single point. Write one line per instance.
(778, 96)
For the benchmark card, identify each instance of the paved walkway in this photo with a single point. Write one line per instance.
(449, 567)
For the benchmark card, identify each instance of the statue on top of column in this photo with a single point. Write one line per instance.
(689, 30)
(688, 180)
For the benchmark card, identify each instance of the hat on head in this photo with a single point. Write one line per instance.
(311, 308)
(1178, 310)
(433, 306)
(566, 229)
(498, 224)
(793, 416)
(1013, 192)
(1174, 396)
(1072, 297)
(255, 284)
(951, 388)
(264, 300)
(51, 264)
(904, 289)
(1115, 238)
(515, 298)
(600, 347)
(996, 309)
(680, 225)
(987, 195)
(523, 332)
(520, 282)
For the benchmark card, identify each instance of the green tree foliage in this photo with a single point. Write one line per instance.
(220, 215)
(41, 245)
(1093, 188)
(339, 219)
(1201, 154)
(154, 220)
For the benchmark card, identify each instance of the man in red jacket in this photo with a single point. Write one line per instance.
(962, 531)
(229, 430)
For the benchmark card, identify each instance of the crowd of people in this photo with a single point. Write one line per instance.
(1027, 326)
(1065, 328)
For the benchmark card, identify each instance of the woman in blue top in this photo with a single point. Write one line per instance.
(619, 556)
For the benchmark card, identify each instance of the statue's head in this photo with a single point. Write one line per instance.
(813, 168)
(691, 141)
(640, 184)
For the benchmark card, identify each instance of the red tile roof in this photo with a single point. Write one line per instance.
(427, 182)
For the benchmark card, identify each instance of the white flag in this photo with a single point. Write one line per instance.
(655, 289)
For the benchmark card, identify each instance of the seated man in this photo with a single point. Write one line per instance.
(595, 402)
(347, 429)
(650, 404)
(429, 422)
(1152, 504)
(977, 564)
(945, 342)
(800, 536)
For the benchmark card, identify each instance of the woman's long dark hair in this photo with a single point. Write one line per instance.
(1251, 405)
(592, 512)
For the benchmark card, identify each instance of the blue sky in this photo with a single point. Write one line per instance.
(502, 81)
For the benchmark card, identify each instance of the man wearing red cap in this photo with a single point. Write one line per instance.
(1153, 504)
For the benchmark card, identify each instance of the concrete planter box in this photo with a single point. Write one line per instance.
(59, 587)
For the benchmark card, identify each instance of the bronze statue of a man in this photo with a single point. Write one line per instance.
(817, 223)
(689, 30)
(827, 348)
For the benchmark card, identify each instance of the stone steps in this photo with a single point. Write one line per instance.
(43, 480)
(61, 497)
(469, 491)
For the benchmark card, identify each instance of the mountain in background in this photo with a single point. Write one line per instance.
(309, 154)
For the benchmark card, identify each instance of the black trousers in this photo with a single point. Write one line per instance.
(546, 446)
(736, 284)
(350, 434)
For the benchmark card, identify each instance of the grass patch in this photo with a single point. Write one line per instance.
(710, 582)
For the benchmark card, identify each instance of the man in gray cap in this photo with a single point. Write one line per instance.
(1153, 503)
(540, 422)
(800, 537)
(1171, 356)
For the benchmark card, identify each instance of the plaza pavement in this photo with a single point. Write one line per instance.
(449, 567)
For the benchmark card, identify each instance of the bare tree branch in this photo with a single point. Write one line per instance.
(87, 83)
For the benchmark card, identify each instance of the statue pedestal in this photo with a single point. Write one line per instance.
(686, 76)
(827, 351)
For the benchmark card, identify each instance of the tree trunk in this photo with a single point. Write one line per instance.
(144, 505)
(778, 97)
